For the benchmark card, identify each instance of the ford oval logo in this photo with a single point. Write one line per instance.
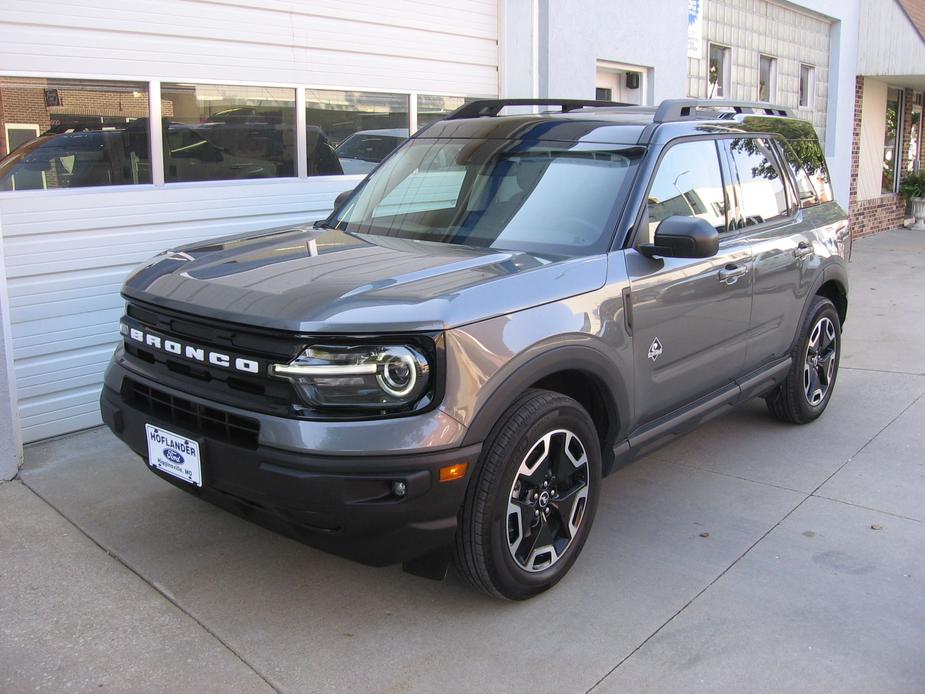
(173, 456)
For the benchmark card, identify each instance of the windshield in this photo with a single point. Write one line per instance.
(541, 197)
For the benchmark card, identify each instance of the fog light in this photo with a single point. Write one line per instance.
(453, 472)
(399, 488)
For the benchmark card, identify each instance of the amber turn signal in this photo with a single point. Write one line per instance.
(453, 472)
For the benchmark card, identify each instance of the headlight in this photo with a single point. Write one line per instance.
(364, 376)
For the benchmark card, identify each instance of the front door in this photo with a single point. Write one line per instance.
(690, 316)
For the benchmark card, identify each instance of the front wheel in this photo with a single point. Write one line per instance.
(528, 511)
(805, 393)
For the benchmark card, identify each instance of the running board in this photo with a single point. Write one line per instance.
(663, 430)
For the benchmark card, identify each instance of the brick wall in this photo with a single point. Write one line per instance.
(885, 212)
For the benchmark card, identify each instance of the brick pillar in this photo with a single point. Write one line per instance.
(855, 151)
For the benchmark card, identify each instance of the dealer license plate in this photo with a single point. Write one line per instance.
(174, 454)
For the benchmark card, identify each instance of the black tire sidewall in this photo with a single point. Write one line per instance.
(516, 582)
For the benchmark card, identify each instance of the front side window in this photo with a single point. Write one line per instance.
(687, 183)
(718, 72)
(73, 133)
(761, 185)
(215, 132)
(540, 197)
(767, 78)
(351, 132)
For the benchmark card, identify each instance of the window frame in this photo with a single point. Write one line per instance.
(34, 127)
(155, 141)
(810, 91)
(726, 72)
(772, 78)
(783, 171)
(898, 143)
(632, 238)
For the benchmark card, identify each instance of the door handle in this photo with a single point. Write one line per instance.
(802, 250)
(731, 273)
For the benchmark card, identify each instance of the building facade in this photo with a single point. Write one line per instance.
(132, 127)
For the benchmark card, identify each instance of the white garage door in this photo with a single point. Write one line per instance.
(67, 250)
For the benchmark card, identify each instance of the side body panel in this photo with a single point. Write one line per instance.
(689, 327)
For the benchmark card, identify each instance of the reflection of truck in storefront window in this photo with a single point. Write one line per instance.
(361, 152)
(78, 159)
(118, 155)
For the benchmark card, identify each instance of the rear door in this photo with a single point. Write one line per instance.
(767, 214)
(690, 316)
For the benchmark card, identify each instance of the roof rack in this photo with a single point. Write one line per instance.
(491, 107)
(686, 109)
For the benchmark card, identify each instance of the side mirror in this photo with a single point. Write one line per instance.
(683, 237)
(342, 198)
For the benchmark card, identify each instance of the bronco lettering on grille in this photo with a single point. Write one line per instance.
(191, 352)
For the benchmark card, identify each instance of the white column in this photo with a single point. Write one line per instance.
(156, 134)
(10, 432)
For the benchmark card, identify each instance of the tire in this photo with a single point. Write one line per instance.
(816, 352)
(512, 540)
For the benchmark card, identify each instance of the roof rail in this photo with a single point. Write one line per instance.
(491, 107)
(686, 109)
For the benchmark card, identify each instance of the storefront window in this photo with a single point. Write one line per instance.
(891, 158)
(361, 128)
(72, 133)
(222, 132)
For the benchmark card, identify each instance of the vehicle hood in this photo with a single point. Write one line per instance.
(308, 280)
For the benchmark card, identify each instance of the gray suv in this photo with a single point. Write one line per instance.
(508, 308)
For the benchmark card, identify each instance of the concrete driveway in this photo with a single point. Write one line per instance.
(748, 556)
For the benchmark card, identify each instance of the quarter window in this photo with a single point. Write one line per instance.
(687, 183)
(762, 188)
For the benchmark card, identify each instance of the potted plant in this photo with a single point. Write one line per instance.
(913, 190)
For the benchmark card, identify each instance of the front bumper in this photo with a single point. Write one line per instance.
(342, 504)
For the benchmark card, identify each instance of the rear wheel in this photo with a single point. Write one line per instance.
(528, 511)
(804, 395)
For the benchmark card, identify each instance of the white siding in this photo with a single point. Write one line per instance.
(890, 45)
(441, 45)
(67, 252)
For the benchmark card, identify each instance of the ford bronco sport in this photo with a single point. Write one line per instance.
(508, 308)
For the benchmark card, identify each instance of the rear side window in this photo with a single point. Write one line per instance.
(687, 183)
(806, 160)
(763, 196)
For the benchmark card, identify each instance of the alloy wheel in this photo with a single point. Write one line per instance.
(547, 500)
(819, 364)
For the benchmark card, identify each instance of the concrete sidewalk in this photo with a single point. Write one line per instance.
(811, 578)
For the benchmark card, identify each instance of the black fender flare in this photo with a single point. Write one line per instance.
(834, 271)
(602, 369)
